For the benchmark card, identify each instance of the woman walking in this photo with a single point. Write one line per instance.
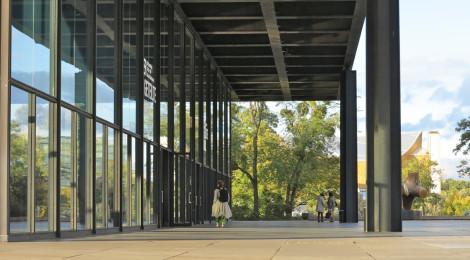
(331, 206)
(220, 208)
(320, 206)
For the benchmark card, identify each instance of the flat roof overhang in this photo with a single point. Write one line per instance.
(283, 50)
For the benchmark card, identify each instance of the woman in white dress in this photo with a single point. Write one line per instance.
(220, 208)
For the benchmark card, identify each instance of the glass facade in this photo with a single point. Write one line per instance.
(118, 118)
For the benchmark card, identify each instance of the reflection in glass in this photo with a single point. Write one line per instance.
(66, 180)
(197, 101)
(145, 199)
(188, 45)
(19, 158)
(206, 109)
(75, 64)
(164, 87)
(30, 43)
(43, 191)
(149, 69)
(99, 182)
(134, 189)
(214, 119)
(151, 179)
(106, 26)
(178, 33)
(125, 181)
(84, 182)
(130, 90)
(112, 213)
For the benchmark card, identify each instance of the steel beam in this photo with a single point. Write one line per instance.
(269, 13)
(348, 144)
(383, 117)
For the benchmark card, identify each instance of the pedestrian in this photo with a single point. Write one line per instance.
(320, 206)
(220, 208)
(331, 206)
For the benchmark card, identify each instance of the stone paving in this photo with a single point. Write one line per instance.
(260, 240)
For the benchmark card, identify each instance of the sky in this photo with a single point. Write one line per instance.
(435, 72)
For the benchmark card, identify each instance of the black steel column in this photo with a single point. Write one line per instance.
(4, 117)
(348, 163)
(383, 117)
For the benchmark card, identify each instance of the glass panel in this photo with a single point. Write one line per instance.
(149, 71)
(99, 182)
(220, 125)
(112, 192)
(164, 91)
(66, 170)
(75, 64)
(134, 184)
(125, 181)
(30, 43)
(145, 191)
(178, 33)
(19, 158)
(197, 102)
(43, 178)
(189, 80)
(206, 109)
(176, 188)
(130, 90)
(84, 181)
(214, 119)
(106, 26)
(151, 186)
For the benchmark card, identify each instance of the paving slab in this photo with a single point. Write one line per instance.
(259, 240)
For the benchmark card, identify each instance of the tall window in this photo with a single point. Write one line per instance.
(76, 66)
(19, 161)
(106, 63)
(130, 88)
(189, 80)
(31, 41)
(177, 94)
(32, 155)
(164, 84)
(75, 171)
(197, 102)
(150, 87)
(206, 109)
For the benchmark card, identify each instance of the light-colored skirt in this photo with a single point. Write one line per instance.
(221, 209)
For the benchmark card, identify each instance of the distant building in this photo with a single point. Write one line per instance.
(411, 148)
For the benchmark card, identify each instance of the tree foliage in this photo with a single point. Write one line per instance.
(463, 146)
(292, 167)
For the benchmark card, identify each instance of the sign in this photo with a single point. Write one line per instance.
(150, 91)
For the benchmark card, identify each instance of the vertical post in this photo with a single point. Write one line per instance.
(4, 117)
(383, 117)
(348, 148)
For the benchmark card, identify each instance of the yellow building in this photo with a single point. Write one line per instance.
(411, 148)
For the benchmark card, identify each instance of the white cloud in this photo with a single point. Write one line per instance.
(435, 62)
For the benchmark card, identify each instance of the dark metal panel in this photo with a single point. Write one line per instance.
(235, 25)
(235, 38)
(221, 9)
(312, 8)
(314, 24)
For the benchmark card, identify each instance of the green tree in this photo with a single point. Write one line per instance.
(250, 124)
(463, 146)
(308, 167)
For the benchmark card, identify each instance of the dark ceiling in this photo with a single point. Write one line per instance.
(280, 50)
